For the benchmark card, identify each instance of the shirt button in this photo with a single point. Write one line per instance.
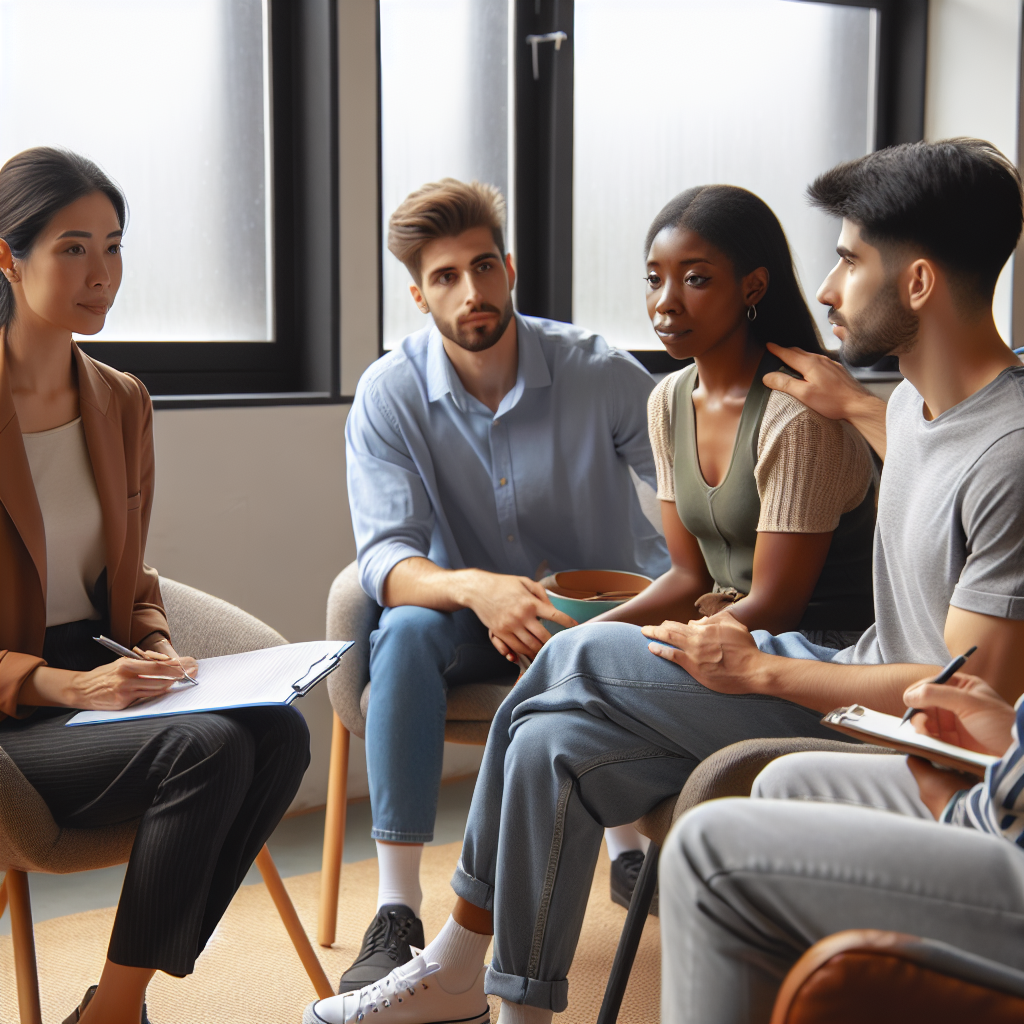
(502, 482)
(511, 538)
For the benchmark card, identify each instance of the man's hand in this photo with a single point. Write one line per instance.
(829, 390)
(718, 652)
(511, 608)
(966, 711)
(937, 786)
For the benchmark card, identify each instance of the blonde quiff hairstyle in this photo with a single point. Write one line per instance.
(444, 209)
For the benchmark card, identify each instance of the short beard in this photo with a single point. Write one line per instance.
(884, 329)
(477, 339)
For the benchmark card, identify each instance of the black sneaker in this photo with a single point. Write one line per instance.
(625, 871)
(385, 946)
(76, 1013)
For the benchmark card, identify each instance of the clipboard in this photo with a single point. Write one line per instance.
(886, 731)
(273, 675)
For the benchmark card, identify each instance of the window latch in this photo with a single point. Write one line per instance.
(549, 37)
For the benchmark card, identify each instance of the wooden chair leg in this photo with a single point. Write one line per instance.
(3, 897)
(23, 941)
(629, 940)
(285, 907)
(334, 834)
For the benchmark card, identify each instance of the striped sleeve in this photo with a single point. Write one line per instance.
(996, 805)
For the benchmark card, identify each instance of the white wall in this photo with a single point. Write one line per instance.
(973, 87)
(251, 503)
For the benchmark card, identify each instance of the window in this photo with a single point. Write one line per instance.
(215, 117)
(444, 113)
(764, 94)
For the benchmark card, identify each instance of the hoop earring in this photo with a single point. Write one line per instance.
(751, 313)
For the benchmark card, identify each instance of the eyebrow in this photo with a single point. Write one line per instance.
(845, 253)
(473, 262)
(686, 263)
(87, 234)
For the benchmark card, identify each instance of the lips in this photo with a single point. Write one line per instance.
(95, 310)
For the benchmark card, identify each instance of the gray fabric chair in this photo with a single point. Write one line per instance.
(30, 840)
(728, 772)
(351, 615)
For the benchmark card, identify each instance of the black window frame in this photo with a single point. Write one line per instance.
(302, 364)
(544, 122)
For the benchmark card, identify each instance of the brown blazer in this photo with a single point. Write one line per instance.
(117, 416)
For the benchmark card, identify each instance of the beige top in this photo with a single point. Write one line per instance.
(72, 520)
(810, 470)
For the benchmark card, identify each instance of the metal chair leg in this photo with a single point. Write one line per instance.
(629, 940)
(23, 941)
(334, 834)
(285, 907)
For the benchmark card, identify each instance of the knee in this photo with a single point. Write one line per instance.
(286, 737)
(538, 744)
(215, 740)
(788, 777)
(412, 634)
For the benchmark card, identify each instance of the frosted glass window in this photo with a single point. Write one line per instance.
(444, 113)
(669, 94)
(170, 98)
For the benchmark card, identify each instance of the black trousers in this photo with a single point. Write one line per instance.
(208, 790)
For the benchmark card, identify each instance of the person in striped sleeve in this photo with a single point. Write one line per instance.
(838, 841)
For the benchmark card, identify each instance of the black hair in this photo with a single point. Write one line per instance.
(35, 185)
(742, 226)
(957, 201)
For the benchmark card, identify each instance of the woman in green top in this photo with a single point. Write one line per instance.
(768, 508)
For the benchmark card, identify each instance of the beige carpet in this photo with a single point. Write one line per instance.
(249, 973)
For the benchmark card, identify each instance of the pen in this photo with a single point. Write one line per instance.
(943, 677)
(113, 645)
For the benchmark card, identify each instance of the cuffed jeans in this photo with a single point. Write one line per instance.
(595, 734)
(748, 885)
(416, 654)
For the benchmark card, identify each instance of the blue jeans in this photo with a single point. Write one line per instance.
(594, 735)
(416, 654)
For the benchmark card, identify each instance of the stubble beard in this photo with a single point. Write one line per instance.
(886, 328)
(477, 339)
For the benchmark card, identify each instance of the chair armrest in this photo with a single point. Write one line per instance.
(351, 615)
(867, 975)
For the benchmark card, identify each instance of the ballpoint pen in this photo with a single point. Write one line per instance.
(113, 645)
(943, 677)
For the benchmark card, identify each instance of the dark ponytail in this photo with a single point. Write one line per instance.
(34, 185)
(742, 226)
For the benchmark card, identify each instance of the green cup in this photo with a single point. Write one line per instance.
(579, 592)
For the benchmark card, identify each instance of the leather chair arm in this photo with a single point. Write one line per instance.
(890, 978)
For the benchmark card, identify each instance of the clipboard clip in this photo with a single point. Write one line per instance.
(315, 673)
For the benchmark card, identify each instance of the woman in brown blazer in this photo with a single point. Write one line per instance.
(76, 492)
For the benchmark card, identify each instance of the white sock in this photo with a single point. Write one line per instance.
(399, 867)
(520, 1013)
(622, 839)
(460, 953)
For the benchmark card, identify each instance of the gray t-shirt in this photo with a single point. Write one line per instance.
(950, 527)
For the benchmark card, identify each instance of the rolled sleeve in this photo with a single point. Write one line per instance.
(391, 512)
(992, 579)
(15, 668)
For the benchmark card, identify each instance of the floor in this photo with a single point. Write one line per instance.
(296, 846)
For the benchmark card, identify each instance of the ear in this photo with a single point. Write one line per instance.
(7, 263)
(754, 286)
(417, 297)
(918, 283)
(510, 270)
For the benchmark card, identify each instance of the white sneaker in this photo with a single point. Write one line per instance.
(405, 996)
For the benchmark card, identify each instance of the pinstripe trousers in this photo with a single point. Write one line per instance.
(207, 790)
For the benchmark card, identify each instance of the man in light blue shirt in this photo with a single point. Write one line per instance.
(483, 453)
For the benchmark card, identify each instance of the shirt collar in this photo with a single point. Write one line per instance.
(532, 372)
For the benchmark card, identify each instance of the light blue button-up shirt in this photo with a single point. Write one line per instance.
(542, 484)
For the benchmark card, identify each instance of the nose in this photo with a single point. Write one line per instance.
(669, 300)
(98, 273)
(472, 285)
(828, 294)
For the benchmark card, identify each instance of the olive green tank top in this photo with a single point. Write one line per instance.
(723, 519)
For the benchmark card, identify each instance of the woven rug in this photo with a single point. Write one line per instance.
(249, 973)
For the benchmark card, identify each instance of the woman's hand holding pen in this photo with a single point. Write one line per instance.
(110, 687)
(965, 711)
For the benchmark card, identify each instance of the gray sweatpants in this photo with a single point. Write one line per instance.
(834, 841)
(595, 734)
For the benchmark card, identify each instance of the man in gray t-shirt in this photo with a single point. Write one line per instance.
(950, 523)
